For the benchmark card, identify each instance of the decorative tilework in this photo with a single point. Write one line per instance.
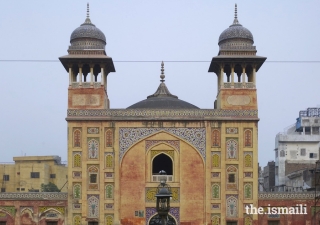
(152, 191)
(157, 152)
(168, 114)
(59, 209)
(108, 175)
(130, 136)
(247, 189)
(76, 206)
(93, 148)
(232, 148)
(77, 191)
(93, 187)
(109, 138)
(35, 196)
(24, 208)
(9, 209)
(76, 174)
(215, 191)
(231, 130)
(247, 220)
(215, 159)
(247, 159)
(77, 137)
(248, 174)
(215, 175)
(109, 219)
(232, 177)
(93, 206)
(272, 195)
(109, 206)
(215, 219)
(2, 215)
(93, 130)
(174, 143)
(109, 191)
(76, 219)
(215, 138)
(76, 159)
(248, 138)
(232, 206)
(215, 206)
(174, 212)
(108, 160)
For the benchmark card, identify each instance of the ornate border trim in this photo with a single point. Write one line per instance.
(273, 195)
(41, 196)
(160, 114)
(195, 136)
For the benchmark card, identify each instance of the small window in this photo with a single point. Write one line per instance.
(313, 155)
(303, 152)
(3, 222)
(35, 174)
(93, 178)
(5, 177)
(23, 189)
(52, 175)
(33, 190)
(316, 121)
(231, 178)
(3, 190)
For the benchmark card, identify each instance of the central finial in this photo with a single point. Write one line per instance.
(88, 10)
(88, 21)
(235, 21)
(162, 76)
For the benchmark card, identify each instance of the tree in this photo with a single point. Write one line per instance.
(50, 187)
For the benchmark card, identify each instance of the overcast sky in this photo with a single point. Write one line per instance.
(34, 94)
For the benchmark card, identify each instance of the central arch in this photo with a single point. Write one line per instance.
(162, 162)
(155, 220)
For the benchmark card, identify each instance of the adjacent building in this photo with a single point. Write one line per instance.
(27, 173)
(296, 150)
(269, 177)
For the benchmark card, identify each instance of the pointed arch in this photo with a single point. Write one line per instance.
(232, 149)
(93, 207)
(109, 191)
(247, 191)
(77, 159)
(248, 138)
(77, 191)
(215, 138)
(93, 149)
(77, 138)
(162, 162)
(109, 220)
(215, 220)
(232, 177)
(215, 162)
(77, 220)
(215, 188)
(109, 138)
(248, 159)
(109, 160)
(232, 206)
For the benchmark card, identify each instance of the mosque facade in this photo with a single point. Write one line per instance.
(115, 155)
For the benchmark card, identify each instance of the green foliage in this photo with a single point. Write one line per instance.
(50, 187)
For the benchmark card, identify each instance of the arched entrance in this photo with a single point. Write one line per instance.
(162, 162)
(156, 220)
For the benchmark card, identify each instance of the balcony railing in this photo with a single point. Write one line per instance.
(85, 84)
(249, 85)
(156, 178)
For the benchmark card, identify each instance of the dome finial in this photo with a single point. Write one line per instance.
(235, 21)
(88, 10)
(87, 21)
(162, 76)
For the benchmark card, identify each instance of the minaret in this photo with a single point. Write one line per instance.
(88, 66)
(236, 66)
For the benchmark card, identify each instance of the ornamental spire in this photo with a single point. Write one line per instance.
(162, 76)
(87, 21)
(235, 21)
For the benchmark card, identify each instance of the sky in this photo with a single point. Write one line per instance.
(34, 93)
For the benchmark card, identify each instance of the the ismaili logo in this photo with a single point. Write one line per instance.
(298, 209)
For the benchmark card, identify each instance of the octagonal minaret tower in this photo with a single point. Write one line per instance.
(88, 66)
(236, 66)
